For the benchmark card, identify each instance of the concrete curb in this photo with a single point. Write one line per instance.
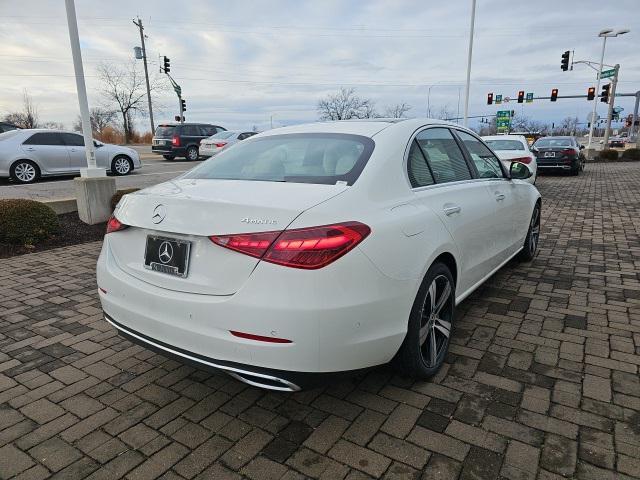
(63, 205)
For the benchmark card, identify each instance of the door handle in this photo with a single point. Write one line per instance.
(499, 196)
(30, 149)
(451, 209)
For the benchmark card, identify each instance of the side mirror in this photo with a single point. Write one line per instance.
(519, 171)
(97, 144)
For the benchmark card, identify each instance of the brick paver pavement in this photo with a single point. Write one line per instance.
(541, 382)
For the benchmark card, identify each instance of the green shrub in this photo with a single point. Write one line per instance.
(609, 155)
(26, 222)
(119, 194)
(631, 155)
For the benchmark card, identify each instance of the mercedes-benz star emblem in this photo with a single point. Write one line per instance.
(165, 252)
(159, 213)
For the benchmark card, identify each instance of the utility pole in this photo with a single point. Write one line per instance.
(612, 99)
(634, 119)
(146, 71)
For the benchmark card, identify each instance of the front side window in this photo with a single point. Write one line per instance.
(486, 163)
(443, 155)
(45, 138)
(73, 140)
(321, 158)
(208, 130)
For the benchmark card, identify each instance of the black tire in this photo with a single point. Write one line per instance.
(121, 165)
(532, 239)
(24, 171)
(192, 153)
(169, 157)
(428, 334)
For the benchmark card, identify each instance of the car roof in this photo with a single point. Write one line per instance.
(365, 127)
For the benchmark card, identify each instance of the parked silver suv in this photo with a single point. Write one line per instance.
(28, 154)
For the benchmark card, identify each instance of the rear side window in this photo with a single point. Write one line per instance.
(165, 131)
(73, 140)
(190, 131)
(419, 172)
(208, 130)
(45, 138)
(443, 154)
(486, 163)
(322, 158)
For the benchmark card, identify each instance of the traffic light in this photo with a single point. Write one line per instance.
(554, 94)
(167, 64)
(604, 96)
(184, 105)
(521, 96)
(564, 64)
(591, 93)
(489, 98)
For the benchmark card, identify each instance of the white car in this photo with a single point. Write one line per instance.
(514, 148)
(221, 140)
(315, 249)
(28, 154)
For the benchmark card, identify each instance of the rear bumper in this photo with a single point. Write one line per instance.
(343, 318)
(167, 150)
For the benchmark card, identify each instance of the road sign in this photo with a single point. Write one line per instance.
(507, 99)
(178, 90)
(503, 114)
(608, 73)
(529, 98)
(498, 99)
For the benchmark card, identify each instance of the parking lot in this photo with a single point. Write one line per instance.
(541, 381)
(155, 169)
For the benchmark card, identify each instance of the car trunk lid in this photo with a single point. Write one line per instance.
(191, 210)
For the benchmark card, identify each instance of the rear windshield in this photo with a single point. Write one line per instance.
(554, 142)
(164, 131)
(505, 144)
(223, 135)
(323, 158)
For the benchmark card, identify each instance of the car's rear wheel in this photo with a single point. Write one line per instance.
(430, 325)
(532, 239)
(24, 171)
(121, 165)
(169, 157)
(192, 153)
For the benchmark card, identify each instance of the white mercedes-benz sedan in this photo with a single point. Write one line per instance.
(26, 155)
(317, 249)
(514, 148)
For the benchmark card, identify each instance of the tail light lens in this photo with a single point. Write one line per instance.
(526, 160)
(175, 141)
(220, 144)
(115, 225)
(568, 151)
(307, 248)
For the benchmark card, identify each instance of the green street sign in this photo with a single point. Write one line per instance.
(608, 73)
(498, 99)
(503, 122)
(529, 98)
(178, 90)
(503, 114)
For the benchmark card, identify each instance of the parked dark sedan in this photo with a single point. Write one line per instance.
(559, 154)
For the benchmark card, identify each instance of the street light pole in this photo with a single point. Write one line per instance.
(612, 99)
(603, 34)
(92, 169)
(466, 95)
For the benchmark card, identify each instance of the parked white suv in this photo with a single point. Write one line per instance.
(28, 154)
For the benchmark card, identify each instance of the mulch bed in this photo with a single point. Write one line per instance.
(72, 232)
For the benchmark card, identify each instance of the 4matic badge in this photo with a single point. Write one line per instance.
(259, 221)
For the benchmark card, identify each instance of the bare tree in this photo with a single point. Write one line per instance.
(28, 117)
(53, 125)
(445, 113)
(100, 119)
(345, 105)
(123, 87)
(397, 111)
(522, 123)
(568, 126)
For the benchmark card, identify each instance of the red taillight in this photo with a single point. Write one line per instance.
(259, 338)
(526, 160)
(308, 248)
(114, 225)
(175, 141)
(568, 151)
(220, 144)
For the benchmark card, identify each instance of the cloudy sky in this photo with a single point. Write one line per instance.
(241, 62)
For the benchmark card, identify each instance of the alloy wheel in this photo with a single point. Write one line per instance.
(122, 166)
(435, 322)
(25, 172)
(192, 154)
(534, 227)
